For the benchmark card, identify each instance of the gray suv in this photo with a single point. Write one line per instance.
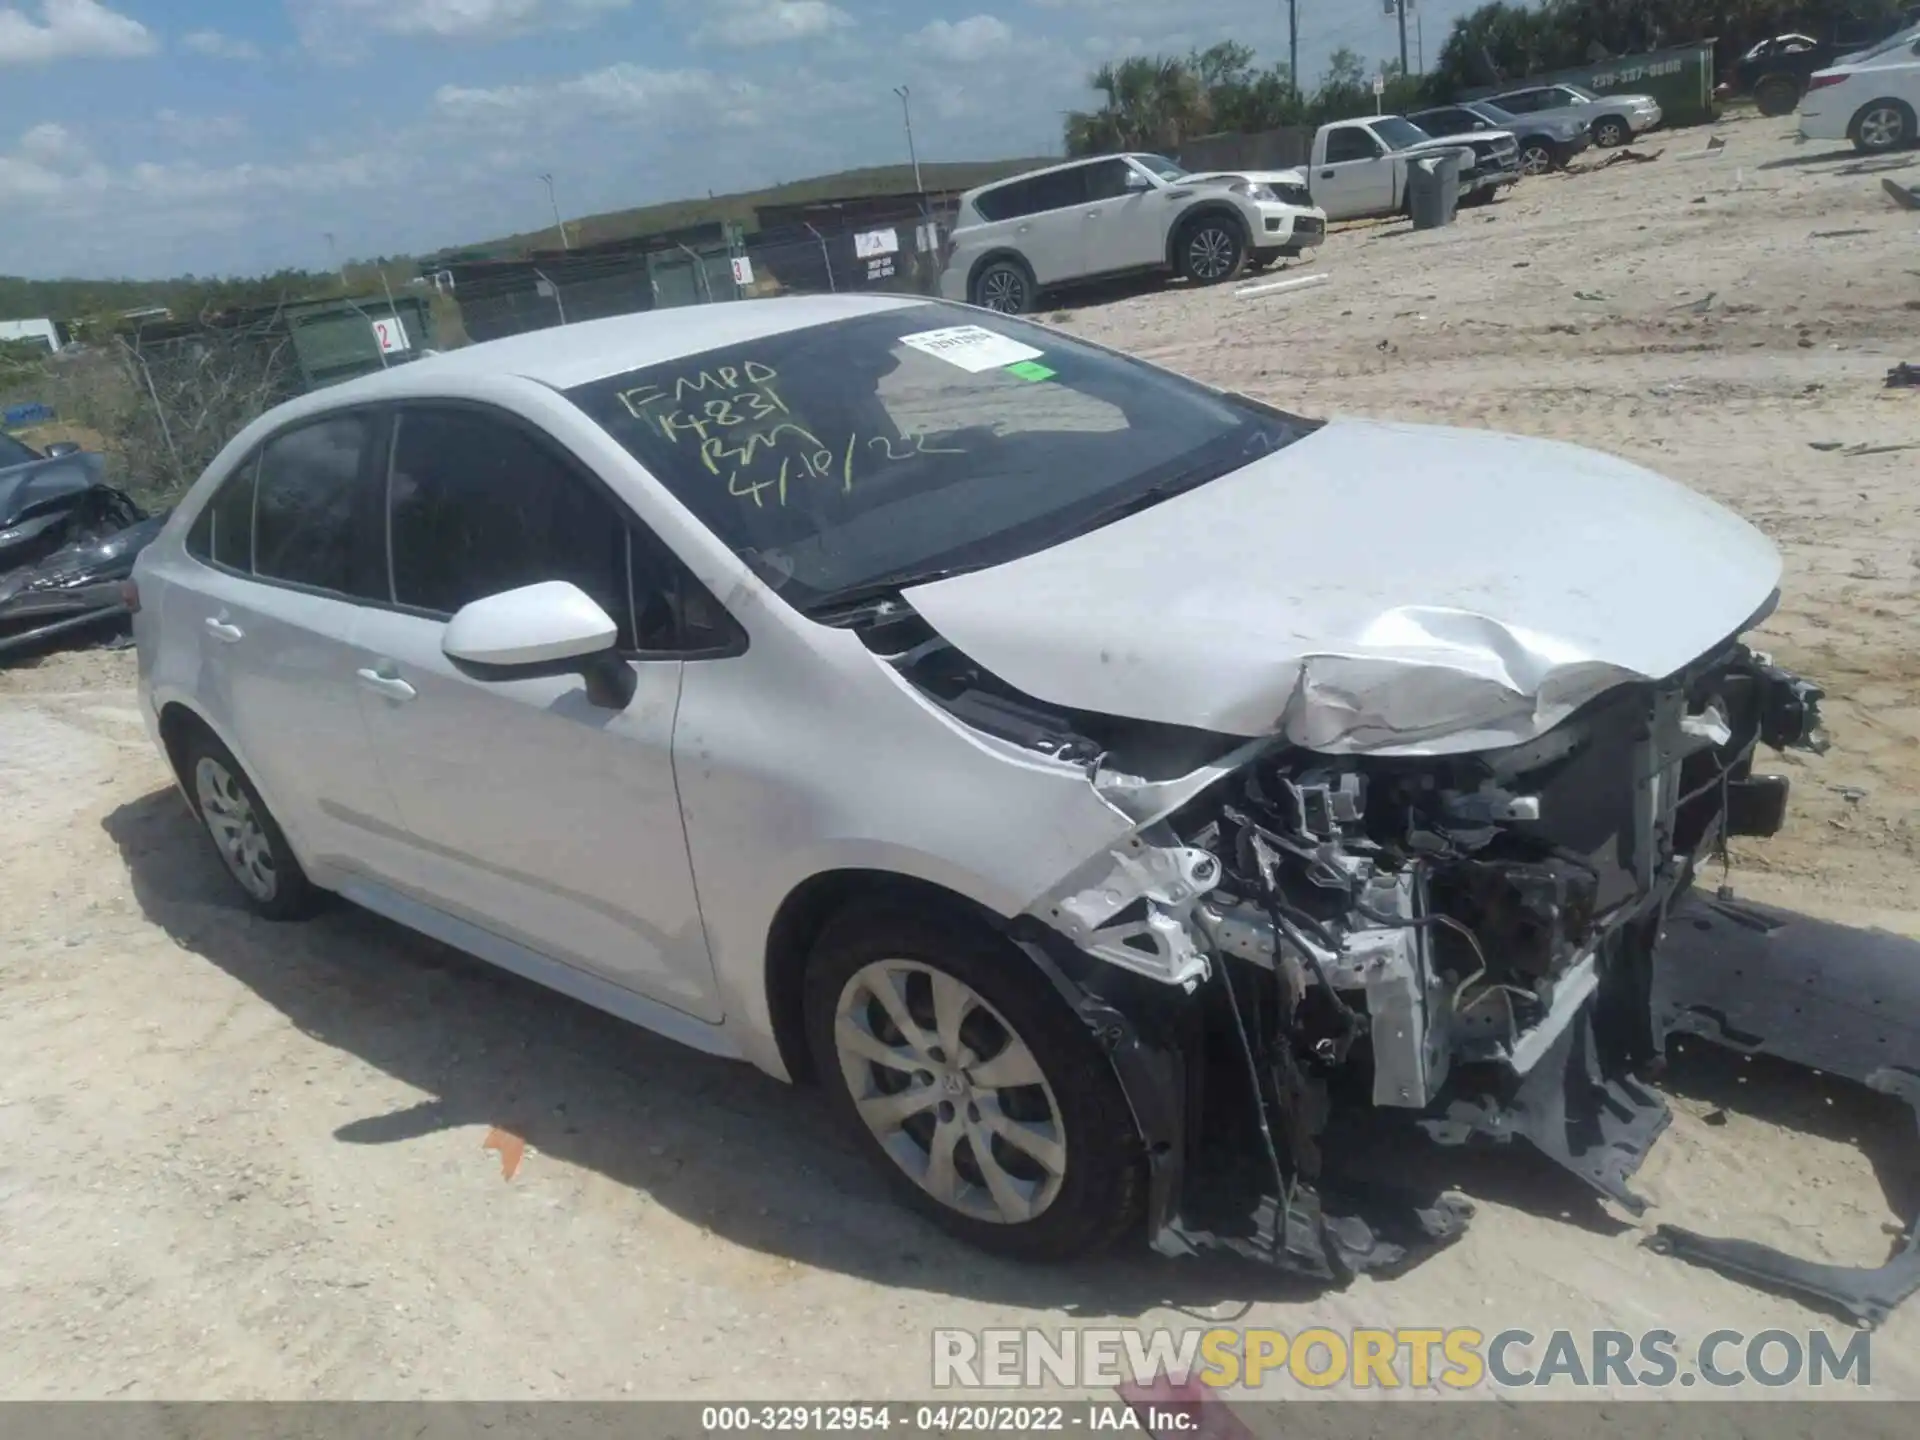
(1611, 120)
(1545, 143)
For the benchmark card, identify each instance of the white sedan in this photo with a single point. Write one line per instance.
(1871, 98)
(1074, 769)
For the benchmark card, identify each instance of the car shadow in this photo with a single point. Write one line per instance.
(716, 1142)
(1796, 162)
(756, 1162)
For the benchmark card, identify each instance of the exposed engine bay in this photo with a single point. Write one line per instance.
(1473, 941)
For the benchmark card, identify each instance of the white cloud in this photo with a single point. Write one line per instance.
(745, 23)
(336, 24)
(216, 46)
(964, 41)
(192, 132)
(70, 30)
(619, 92)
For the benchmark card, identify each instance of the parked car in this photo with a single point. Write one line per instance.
(1610, 119)
(1871, 98)
(1775, 71)
(998, 730)
(1543, 144)
(1360, 166)
(67, 541)
(1112, 215)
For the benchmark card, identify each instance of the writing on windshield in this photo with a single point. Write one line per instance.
(747, 435)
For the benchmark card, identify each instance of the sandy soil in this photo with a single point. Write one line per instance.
(239, 1160)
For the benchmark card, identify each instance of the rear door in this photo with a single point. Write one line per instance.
(527, 810)
(1051, 230)
(288, 550)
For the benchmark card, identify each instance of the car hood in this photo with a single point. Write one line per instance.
(1466, 139)
(1373, 588)
(1252, 177)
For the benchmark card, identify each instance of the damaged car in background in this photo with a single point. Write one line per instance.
(1100, 784)
(67, 545)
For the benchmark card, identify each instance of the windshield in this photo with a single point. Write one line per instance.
(1399, 132)
(1580, 94)
(12, 452)
(1161, 166)
(896, 445)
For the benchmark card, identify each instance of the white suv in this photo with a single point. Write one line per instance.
(1090, 219)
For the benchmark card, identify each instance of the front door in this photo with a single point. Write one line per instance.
(1126, 219)
(1355, 177)
(527, 809)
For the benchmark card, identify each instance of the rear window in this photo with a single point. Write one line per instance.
(929, 437)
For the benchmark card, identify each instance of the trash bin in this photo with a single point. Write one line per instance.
(1433, 190)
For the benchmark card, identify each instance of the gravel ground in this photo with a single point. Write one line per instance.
(247, 1161)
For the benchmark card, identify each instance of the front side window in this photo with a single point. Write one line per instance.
(1351, 143)
(1444, 122)
(867, 452)
(12, 452)
(306, 507)
(1166, 169)
(476, 506)
(1522, 102)
(1573, 95)
(1108, 179)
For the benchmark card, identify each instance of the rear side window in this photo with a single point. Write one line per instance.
(308, 497)
(231, 543)
(1053, 191)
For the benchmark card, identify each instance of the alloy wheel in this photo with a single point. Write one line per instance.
(236, 829)
(951, 1091)
(1609, 133)
(1210, 253)
(1004, 290)
(1536, 160)
(1882, 128)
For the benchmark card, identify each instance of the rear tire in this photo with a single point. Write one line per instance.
(1882, 126)
(1011, 1132)
(244, 833)
(1610, 131)
(1005, 286)
(1211, 250)
(1777, 95)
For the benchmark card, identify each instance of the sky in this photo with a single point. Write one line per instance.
(149, 138)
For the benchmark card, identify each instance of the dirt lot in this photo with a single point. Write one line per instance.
(248, 1161)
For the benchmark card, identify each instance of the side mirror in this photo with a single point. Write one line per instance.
(1137, 181)
(552, 628)
(61, 448)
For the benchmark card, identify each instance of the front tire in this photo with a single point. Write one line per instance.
(1005, 286)
(1610, 131)
(967, 1080)
(1881, 126)
(1212, 250)
(1536, 158)
(244, 833)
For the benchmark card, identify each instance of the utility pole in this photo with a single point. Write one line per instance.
(1400, 9)
(333, 258)
(906, 112)
(561, 225)
(1293, 45)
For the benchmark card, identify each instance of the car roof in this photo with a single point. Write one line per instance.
(567, 355)
(1072, 164)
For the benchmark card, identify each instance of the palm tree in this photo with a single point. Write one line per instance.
(1148, 103)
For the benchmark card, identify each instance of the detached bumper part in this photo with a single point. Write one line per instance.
(1830, 997)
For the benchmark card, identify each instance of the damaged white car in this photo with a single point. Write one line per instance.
(1092, 779)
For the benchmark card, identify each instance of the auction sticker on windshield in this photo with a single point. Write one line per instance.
(971, 347)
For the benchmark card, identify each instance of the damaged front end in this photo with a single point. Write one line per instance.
(72, 576)
(1468, 939)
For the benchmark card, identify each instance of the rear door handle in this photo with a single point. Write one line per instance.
(389, 685)
(221, 630)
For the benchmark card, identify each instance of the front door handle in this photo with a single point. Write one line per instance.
(1326, 174)
(221, 630)
(387, 684)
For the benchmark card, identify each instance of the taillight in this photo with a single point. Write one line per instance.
(1820, 82)
(130, 596)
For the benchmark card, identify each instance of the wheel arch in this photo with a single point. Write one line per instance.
(1853, 125)
(1203, 210)
(804, 914)
(178, 723)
